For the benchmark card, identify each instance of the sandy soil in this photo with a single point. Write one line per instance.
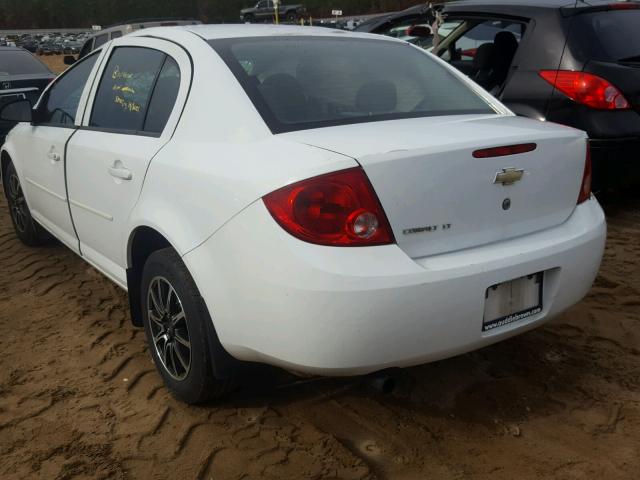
(54, 62)
(79, 396)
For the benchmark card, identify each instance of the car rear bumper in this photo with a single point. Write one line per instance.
(342, 311)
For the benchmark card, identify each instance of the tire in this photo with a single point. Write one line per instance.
(27, 229)
(181, 350)
(292, 17)
(248, 18)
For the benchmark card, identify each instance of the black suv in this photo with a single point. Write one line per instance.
(572, 62)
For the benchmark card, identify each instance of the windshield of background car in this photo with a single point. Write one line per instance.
(298, 83)
(608, 36)
(18, 62)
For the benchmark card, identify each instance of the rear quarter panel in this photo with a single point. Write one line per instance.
(221, 158)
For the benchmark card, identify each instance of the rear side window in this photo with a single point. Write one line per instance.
(101, 40)
(608, 36)
(483, 33)
(164, 97)
(19, 62)
(86, 48)
(310, 82)
(125, 89)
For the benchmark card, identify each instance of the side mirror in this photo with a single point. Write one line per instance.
(17, 111)
(69, 60)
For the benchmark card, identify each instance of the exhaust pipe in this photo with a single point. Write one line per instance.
(385, 384)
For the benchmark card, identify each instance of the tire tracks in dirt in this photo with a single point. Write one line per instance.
(80, 397)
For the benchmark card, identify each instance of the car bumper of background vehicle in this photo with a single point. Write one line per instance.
(615, 162)
(347, 311)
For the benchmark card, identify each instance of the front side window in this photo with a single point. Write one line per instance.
(122, 99)
(59, 106)
(309, 82)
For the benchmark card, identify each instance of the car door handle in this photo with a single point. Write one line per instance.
(121, 173)
(54, 156)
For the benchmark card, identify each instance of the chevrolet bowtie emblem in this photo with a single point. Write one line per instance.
(509, 176)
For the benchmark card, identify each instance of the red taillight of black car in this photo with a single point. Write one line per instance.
(587, 89)
(337, 209)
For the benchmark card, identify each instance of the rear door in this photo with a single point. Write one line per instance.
(460, 49)
(56, 118)
(135, 107)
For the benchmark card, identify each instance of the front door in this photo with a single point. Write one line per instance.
(133, 116)
(44, 170)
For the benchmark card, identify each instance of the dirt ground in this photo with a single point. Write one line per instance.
(55, 62)
(79, 396)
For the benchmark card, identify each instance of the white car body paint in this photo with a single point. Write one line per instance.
(328, 310)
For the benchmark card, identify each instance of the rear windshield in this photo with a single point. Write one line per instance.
(19, 62)
(298, 83)
(608, 36)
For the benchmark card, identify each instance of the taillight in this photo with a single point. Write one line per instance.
(587, 89)
(624, 6)
(337, 209)
(585, 188)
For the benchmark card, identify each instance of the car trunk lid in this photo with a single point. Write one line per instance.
(439, 198)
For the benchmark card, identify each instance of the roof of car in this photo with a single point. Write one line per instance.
(213, 32)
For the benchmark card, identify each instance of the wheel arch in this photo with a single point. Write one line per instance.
(5, 159)
(143, 241)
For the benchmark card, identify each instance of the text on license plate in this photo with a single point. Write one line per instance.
(512, 301)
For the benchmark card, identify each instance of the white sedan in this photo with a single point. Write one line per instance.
(328, 202)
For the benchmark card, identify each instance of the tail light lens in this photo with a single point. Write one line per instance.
(585, 188)
(587, 89)
(624, 6)
(337, 209)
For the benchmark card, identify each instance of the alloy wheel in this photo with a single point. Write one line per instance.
(168, 326)
(17, 203)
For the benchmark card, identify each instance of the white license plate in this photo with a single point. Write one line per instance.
(512, 301)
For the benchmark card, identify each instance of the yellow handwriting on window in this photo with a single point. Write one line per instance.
(118, 74)
(127, 104)
(122, 88)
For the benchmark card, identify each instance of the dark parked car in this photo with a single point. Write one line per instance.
(575, 63)
(21, 76)
(265, 10)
